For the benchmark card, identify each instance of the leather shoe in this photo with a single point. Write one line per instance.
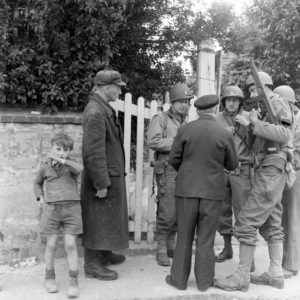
(110, 258)
(163, 259)
(169, 280)
(170, 253)
(100, 272)
(227, 253)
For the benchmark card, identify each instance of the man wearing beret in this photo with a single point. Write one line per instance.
(200, 152)
(103, 193)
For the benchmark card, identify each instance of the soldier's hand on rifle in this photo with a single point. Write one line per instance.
(242, 120)
(253, 116)
(101, 193)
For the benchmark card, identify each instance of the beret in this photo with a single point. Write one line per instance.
(106, 77)
(206, 101)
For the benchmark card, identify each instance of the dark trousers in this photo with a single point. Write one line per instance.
(201, 215)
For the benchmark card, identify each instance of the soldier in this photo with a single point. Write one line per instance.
(201, 151)
(238, 182)
(290, 199)
(161, 133)
(263, 209)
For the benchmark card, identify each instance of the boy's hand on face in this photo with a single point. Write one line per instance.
(53, 156)
(56, 158)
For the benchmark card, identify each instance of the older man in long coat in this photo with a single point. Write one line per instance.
(103, 193)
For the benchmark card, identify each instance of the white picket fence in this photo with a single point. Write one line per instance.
(141, 199)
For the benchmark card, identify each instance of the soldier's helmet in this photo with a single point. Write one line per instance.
(232, 91)
(264, 77)
(285, 92)
(180, 91)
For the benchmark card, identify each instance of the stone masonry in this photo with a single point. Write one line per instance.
(24, 143)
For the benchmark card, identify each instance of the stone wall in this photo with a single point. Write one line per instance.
(24, 143)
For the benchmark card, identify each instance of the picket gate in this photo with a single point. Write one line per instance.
(140, 196)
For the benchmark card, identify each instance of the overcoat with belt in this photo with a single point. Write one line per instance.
(105, 221)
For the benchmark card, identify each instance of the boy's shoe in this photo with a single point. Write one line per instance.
(51, 286)
(73, 291)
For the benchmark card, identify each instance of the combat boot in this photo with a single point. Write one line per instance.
(171, 243)
(240, 279)
(93, 267)
(73, 291)
(161, 254)
(274, 276)
(227, 251)
(50, 284)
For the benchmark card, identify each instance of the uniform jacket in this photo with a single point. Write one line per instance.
(162, 131)
(267, 133)
(105, 221)
(201, 151)
(240, 134)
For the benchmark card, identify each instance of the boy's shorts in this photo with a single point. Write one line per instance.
(61, 218)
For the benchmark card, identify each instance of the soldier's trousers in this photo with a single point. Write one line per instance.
(201, 215)
(263, 209)
(166, 214)
(291, 226)
(238, 187)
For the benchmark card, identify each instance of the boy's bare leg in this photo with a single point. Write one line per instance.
(50, 283)
(50, 251)
(72, 254)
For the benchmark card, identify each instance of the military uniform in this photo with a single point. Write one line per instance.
(291, 211)
(238, 182)
(161, 133)
(263, 209)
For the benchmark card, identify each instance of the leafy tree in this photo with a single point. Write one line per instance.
(52, 49)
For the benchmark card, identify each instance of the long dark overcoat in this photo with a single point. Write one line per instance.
(105, 221)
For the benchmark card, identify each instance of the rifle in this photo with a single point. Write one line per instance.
(263, 95)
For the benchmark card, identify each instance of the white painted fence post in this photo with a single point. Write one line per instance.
(139, 170)
(127, 144)
(150, 183)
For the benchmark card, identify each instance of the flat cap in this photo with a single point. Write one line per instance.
(106, 77)
(206, 101)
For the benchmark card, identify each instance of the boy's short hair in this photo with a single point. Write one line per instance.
(62, 139)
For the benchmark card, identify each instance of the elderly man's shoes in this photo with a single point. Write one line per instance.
(100, 272)
(93, 268)
(109, 258)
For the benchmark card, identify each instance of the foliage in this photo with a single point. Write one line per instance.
(269, 33)
(281, 41)
(51, 50)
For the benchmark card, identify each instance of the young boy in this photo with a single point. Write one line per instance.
(56, 187)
